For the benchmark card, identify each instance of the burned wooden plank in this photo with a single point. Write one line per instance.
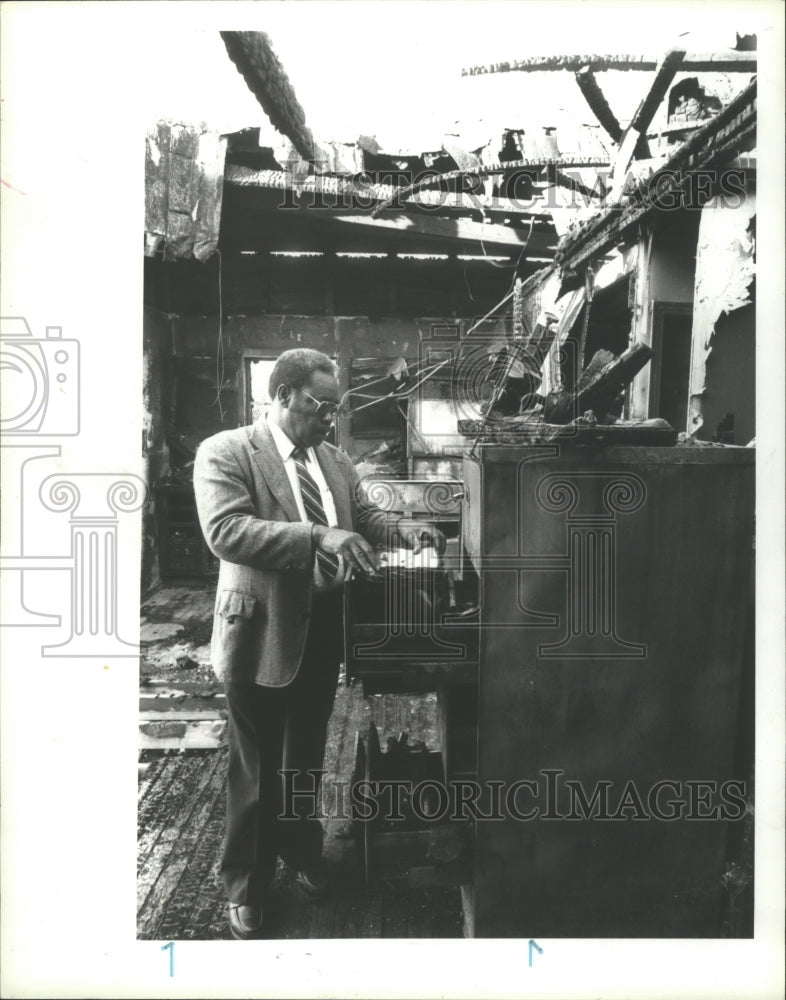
(633, 141)
(664, 74)
(253, 55)
(179, 235)
(597, 392)
(154, 842)
(465, 230)
(209, 182)
(176, 842)
(184, 169)
(725, 61)
(342, 192)
(199, 734)
(185, 715)
(181, 188)
(596, 99)
(159, 776)
(156, 186)
(181, 895)
(732, 128)
(182, 884)
(148, 772)
(202, 884)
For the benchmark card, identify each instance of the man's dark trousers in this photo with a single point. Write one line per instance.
(271, 729)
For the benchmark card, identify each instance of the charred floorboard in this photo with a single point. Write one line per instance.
(181, 824)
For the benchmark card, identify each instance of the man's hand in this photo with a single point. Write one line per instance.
(351, 546)
(415, 535)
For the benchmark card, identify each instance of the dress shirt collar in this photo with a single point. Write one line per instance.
(282, 440)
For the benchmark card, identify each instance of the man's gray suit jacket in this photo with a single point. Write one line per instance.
(250, 521)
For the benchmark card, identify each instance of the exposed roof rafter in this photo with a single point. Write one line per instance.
(633, 141)
(727, 61)
(597, 102)
(253, 55)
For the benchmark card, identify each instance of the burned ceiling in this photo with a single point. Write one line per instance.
(561, 185)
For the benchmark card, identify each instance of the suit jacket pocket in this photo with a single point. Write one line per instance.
(236, 624)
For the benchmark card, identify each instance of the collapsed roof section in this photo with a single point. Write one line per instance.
(485, 189)
(728, 135)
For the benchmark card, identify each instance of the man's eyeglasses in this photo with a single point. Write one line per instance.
(324, 408)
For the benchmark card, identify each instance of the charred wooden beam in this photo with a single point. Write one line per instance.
(339, 192)
(634, 139)
(565, 180)
(597, 102)
(184, 174)
(486, 170)
(664, 74)
(726, 61)
(460, 230)
(253, 55)
(604, 379)
(731, 132)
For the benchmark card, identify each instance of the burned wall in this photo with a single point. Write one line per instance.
(156, 341)
(206, 322)
(723, 358)
(361, 312)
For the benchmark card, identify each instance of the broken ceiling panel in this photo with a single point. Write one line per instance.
(725, 268)
(184, 182)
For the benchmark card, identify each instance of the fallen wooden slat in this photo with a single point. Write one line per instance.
(195, 736)
(181, 715)
(168, 689)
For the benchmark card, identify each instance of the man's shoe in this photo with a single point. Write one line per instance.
(313, 880)
(245, 921)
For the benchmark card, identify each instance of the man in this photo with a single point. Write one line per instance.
(278, 506)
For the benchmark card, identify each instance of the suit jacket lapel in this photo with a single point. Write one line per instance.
(339, 487)
(272, 468)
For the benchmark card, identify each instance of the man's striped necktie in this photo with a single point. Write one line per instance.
(315, 511)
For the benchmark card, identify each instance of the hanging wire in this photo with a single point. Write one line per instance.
(426, 373)
(394, 393)
(466, 282)
(220, 344)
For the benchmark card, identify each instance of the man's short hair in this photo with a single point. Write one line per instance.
(295, 368)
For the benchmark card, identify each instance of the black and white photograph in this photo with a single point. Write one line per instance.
(394, 457)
